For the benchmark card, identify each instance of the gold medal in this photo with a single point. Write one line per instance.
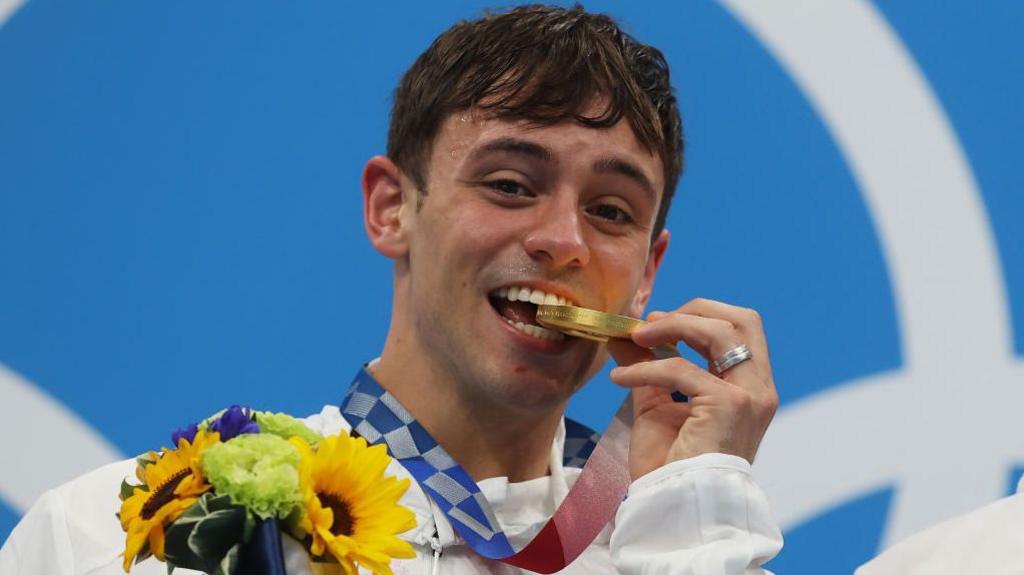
(587, 323)
(599, 326)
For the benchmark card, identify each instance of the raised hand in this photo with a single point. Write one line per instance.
(727, 413)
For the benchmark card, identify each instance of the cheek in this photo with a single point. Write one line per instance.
(623, 273)
(461, 240)
(482, 231)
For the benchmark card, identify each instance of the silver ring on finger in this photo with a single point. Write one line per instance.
(732, 358)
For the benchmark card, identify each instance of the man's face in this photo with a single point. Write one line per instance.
(565, 210)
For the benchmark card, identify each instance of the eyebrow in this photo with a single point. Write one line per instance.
(610, 165)
(625, 168)
(514, 146)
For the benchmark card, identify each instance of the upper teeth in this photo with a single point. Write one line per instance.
(534, 296)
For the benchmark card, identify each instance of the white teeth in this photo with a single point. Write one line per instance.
(534, 296)
(537, 297)
(537, 331)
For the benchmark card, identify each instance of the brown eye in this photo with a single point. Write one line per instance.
(610, 213)
(509, 188)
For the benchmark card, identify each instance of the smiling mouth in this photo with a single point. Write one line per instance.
(518, 306)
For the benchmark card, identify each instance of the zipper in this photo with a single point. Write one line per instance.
(435, 544)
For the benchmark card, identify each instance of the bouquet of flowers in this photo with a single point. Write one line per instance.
(198, 505)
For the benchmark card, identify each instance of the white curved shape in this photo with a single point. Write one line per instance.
(944, 453)
(42, 439)
(906, 158)
(8, 8)
(917, 429)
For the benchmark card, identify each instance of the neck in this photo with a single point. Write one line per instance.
(488, 440)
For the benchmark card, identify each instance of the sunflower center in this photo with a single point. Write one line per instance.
(344, 522)
(164, 493)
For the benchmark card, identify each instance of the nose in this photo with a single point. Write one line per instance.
(557, 235)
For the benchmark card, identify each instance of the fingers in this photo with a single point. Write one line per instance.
(673, 374)
(747, 322)
(729, 412)
(713, 328)
(709, 337)
(653, 400)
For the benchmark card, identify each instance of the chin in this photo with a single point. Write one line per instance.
(532, 388)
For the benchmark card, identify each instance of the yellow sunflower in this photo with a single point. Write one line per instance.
(171, 484)
(351, 508)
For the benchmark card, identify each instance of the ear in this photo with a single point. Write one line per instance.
(382, 206)
(643, 294)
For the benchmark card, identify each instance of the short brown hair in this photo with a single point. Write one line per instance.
(544, 64)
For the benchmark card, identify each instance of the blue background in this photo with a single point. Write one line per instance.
(180, 224)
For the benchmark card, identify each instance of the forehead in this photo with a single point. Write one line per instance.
(464, 132)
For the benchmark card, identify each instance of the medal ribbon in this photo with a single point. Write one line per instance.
(377, 415)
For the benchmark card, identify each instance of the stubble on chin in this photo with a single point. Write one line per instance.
(534, 389)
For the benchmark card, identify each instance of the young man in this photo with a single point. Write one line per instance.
(532, 157)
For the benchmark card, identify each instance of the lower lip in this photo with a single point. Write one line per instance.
(525, 339)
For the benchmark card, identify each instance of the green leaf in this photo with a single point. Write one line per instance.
(176, 549)
(193, 514)
(250, 524)
(127, 489)
(229, 565)
(218, 532)
(201, 536)
(145, 459)
(219, 503)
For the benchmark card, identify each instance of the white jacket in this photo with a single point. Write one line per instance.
(703, 515)
(989, 540)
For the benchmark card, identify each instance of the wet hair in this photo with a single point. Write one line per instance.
(543, 64)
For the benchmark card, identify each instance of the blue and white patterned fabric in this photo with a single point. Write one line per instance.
(580, 442)
(378, 417)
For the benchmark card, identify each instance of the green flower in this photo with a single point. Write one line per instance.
(286, 427)
(258, 471)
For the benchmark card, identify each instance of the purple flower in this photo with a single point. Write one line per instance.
(235, 421)
(188, 433)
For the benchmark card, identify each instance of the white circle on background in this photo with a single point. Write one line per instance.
(45, 441)
(931, 429)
